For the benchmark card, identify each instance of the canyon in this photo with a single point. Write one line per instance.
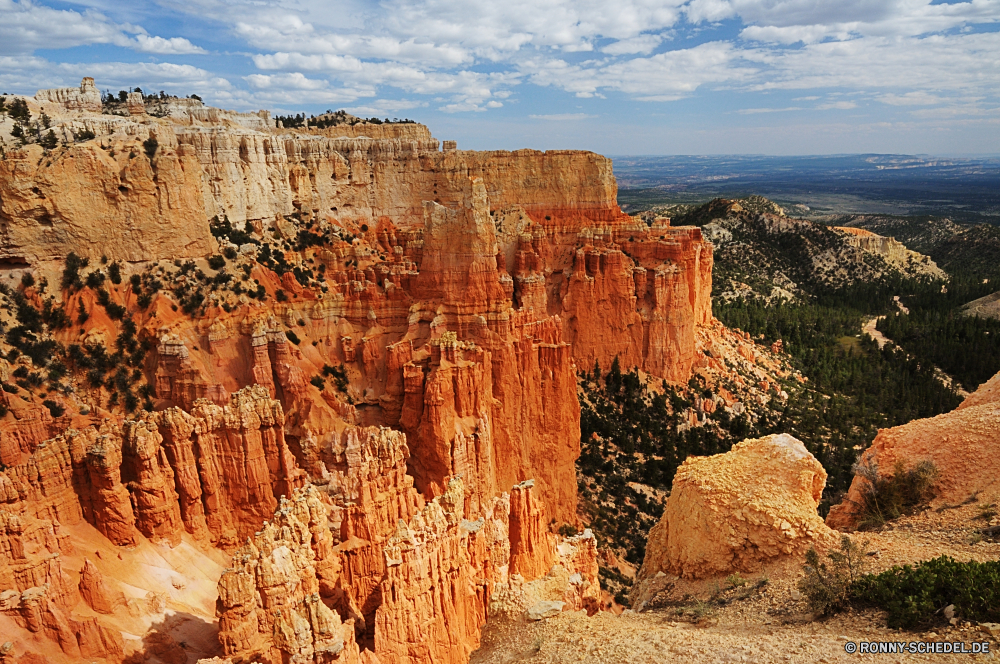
(356, 350)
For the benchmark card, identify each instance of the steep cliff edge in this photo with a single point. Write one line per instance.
(342, 356)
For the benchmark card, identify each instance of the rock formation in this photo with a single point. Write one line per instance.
(893, 251)
(732, 512)
(961, 444)
(370, 402)
(440, 572)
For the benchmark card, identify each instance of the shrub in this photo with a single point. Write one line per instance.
(913, 596)
(280, 296)
(318, 382)
(54, 408)
(216, 262)
(49, 140)
(83, 135)
(71, 271)
(887, 497)
(294, 338)
(149, 146)
(339, 375)
(115, 273)
(95, 279)
(27, 280)
(828, 588)
(83, 315)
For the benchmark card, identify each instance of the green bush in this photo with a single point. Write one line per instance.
(294, 338)
(827, 587)
(49, 140)
(318, 382)
(886, 497)
(71, 273)
(339, 375)
(55, 409)
(216, 262)
(913, 596)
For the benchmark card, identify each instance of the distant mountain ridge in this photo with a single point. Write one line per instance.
(760, 253)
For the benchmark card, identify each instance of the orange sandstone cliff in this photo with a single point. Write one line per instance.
(369, 404)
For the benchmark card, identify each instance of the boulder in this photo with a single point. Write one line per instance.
(544, 609)
(733, 512)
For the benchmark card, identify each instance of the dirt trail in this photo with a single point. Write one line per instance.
(869, 329)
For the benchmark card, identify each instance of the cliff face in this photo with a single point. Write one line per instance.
(87, 200)
(370, 402)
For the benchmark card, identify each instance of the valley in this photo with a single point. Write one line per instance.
(294, 392)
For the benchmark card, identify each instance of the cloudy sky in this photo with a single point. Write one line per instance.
(616, 76)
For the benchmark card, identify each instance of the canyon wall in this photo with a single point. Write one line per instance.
(370, 402)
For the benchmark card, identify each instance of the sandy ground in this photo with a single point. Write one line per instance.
(169, 593)
(770, 623)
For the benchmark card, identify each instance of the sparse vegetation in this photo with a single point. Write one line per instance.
(827, 587)
(886, 497)
(339, 375)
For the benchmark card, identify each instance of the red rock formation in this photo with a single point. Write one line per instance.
(371, 493)
(269, 602)
(111, 506)
(960, 444)
(242, 460)
(458, 292)
(531, 548)
(30, 557)
(432, 610)
(147, 472)
(95, 590)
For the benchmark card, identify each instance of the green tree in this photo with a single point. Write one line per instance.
(49, 140)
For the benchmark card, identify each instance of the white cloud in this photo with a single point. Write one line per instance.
(26, 27)
(918, 98)
(837, 105)
(562, 117)
(755, 111)
(162, 46)
(641, 44)
(462, 56)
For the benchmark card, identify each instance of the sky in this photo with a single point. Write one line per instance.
(619, 77)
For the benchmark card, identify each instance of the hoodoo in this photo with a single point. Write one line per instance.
(333, 373)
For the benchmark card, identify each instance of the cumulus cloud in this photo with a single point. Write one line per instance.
(458, 56)
(163, 46)
(26, 26)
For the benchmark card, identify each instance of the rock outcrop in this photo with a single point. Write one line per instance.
(371, 399)
(892, 251)
(962, 445)
(733, 512)
(269, 601)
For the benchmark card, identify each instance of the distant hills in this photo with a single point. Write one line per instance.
(820, 187)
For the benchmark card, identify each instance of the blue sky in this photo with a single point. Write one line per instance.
(622, 77)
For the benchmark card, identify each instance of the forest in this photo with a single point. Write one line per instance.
(634, 434)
